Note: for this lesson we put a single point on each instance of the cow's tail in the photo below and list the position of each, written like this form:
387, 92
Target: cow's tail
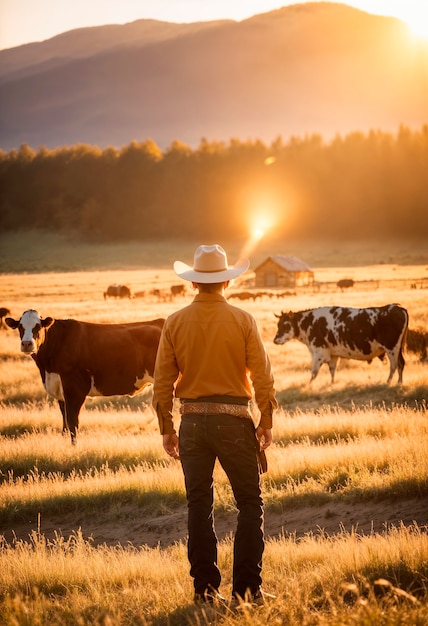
401, 360
402, 339
406, 327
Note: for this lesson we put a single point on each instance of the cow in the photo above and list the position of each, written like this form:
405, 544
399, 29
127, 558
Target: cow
417, 342
331, 332
345, 283
178, 290
117, 291
79, 359
3, 312
242, 295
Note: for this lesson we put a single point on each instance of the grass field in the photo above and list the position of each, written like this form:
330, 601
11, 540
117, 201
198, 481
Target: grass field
96, 534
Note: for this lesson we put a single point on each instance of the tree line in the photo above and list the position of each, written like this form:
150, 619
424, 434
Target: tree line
358, 185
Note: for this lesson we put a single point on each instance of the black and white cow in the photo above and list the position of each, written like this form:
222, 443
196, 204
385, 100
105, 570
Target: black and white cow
333, 332
79, 359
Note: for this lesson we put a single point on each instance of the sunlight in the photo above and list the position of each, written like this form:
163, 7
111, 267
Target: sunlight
258, 232
417, 20
414, 13
260, 225
418, 28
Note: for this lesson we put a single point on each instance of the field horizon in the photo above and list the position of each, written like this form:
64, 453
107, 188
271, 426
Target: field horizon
40, 251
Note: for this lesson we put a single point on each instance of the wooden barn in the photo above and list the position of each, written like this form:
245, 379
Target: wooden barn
283, 271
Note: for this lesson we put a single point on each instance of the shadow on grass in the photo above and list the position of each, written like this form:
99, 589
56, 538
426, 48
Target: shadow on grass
354, 397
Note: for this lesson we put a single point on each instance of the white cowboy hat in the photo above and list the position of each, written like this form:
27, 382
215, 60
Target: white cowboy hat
210, 266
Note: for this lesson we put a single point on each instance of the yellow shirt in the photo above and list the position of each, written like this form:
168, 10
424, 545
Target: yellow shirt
211, 348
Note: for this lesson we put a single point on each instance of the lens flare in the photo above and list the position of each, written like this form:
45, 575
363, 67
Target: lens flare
258, 230
270, 160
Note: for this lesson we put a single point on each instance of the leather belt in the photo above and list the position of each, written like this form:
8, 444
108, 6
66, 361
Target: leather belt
214, 408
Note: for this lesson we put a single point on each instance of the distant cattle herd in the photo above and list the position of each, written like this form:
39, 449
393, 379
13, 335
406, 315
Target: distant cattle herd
174, 291
162, 295
258, 295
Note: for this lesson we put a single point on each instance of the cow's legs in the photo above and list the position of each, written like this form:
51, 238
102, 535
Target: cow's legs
61, 405
332, 364
75, 392
73, 406
397, 362
316, 364
400, 366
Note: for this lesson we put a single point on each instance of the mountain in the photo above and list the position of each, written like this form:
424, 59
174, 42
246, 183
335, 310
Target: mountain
316, 67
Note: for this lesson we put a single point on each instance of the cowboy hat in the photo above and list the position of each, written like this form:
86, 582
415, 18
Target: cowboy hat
210, 266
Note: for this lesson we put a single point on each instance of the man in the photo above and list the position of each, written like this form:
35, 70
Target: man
208, 353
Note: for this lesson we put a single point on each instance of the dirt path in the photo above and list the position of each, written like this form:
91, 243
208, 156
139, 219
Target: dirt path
131, 526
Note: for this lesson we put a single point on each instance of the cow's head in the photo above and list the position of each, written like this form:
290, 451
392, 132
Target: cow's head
30, 326
286, 329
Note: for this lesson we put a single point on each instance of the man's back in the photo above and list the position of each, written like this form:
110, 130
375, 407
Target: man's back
210, 347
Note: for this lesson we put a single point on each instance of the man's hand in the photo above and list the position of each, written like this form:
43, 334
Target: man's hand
170, 444
264, 435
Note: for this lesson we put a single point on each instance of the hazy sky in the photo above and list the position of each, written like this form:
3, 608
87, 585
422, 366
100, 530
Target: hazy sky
25, 21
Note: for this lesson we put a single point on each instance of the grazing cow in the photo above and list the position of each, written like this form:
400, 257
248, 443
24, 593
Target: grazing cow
241, 295
117, 291
362, 334
178, 290
3, 312
417, 342
78, 359
161, 295
345, 283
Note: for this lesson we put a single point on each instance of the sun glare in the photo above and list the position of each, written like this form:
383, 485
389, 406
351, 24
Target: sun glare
417, 21
260, 226
257, 231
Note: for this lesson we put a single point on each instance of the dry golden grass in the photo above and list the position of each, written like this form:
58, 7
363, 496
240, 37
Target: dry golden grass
357, 440
332, 457
316, 582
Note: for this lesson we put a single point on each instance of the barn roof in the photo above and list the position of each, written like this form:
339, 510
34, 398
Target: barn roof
288, 263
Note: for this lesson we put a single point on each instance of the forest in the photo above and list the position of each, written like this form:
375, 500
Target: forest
355, 186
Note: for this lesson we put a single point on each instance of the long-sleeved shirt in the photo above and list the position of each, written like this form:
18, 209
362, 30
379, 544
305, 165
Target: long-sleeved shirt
211, 348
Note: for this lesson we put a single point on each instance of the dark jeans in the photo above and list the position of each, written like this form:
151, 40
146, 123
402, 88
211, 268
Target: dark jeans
202, 439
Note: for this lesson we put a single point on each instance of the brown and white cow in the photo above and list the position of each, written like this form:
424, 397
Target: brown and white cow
333, 332
79, 359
